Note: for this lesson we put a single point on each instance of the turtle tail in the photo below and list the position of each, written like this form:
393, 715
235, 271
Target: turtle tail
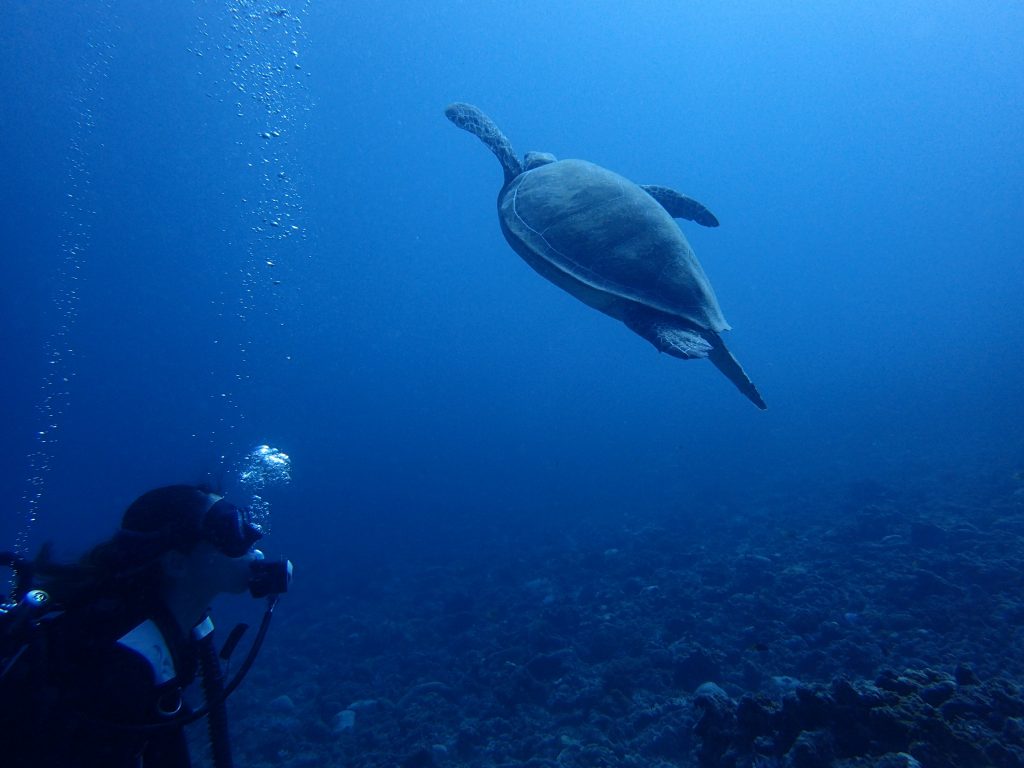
470, 118
729, 365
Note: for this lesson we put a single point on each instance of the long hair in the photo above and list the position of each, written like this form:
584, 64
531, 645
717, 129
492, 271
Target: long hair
127, 565
110, 568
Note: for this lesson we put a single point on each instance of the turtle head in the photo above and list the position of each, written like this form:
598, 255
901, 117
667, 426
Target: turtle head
537, 159
471, 119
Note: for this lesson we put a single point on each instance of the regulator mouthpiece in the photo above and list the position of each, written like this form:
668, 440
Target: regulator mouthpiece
269, 578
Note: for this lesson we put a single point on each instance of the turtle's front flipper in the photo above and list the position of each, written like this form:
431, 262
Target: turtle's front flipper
727, 364
469, 118
680, 206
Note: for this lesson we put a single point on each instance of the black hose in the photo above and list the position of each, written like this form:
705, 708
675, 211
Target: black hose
213, 689
218, 700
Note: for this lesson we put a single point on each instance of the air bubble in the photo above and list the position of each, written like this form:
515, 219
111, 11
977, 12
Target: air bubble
74, 239
264, 466
259, 41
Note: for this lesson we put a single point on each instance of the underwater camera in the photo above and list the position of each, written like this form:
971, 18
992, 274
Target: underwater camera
269, 577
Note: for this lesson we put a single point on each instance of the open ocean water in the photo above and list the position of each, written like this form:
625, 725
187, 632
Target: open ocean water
523, 537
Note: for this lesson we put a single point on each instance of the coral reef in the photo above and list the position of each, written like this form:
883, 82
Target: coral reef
875, 629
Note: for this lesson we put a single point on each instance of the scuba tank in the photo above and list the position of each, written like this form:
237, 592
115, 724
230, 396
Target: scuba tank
23, 616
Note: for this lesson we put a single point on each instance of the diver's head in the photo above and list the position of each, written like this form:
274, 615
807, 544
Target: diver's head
179, 538
180, 517
201, 542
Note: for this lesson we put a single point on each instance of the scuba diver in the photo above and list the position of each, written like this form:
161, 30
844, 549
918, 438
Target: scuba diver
95, 656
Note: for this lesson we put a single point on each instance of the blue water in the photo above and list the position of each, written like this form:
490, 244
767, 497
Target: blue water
865, 162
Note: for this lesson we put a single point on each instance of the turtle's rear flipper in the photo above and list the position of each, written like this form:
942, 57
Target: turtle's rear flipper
727, 364
673, 338
470, 118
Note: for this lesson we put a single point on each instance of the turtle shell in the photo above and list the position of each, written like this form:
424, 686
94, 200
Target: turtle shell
606, 232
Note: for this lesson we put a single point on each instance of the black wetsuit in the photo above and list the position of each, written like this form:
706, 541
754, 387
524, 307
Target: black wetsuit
88, 676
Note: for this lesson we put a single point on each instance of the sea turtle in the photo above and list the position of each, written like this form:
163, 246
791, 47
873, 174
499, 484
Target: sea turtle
612, 244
